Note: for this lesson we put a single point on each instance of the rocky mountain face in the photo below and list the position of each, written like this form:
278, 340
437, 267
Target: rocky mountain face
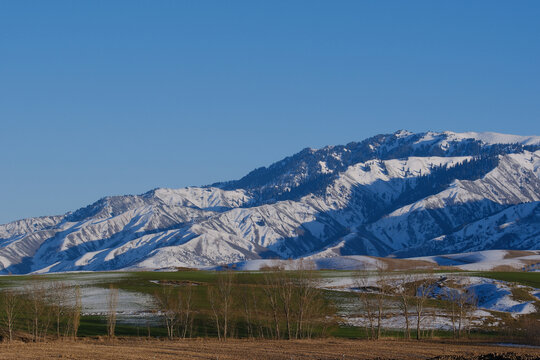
401, 194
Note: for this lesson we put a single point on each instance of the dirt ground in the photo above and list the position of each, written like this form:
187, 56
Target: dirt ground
260, 349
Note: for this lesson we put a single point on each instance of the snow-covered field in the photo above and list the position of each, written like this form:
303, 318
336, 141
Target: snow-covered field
131, 305
485, 260
494, 298
429, 321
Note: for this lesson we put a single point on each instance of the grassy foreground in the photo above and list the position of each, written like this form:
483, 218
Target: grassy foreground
250, 313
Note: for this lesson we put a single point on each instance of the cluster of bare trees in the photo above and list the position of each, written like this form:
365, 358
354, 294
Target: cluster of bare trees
373, 292
41, 311
293, 306
278, 304
176, 308
461, 302
381, 293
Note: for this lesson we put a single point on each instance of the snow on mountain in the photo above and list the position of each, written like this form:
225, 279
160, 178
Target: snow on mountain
203, 198
434, 218
445, 139
494, 138
403, 193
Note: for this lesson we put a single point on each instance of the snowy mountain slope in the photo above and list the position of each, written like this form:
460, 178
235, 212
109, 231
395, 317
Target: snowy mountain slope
291, 229
515, 180
516, 227
306, 171
401, 193
110, 223
494, 138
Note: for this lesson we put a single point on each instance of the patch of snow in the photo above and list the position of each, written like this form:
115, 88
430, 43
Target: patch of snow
479, 260
324, 168
494, 138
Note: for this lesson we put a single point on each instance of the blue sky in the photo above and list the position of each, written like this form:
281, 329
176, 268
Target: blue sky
114, 97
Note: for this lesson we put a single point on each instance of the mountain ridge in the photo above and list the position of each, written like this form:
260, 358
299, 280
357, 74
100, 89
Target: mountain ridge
391, 194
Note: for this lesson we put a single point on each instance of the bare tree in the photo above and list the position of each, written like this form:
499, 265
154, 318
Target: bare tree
175, 305
308, 293
221, 301
366, 294
169, 307
37, 309
186, 311
261, 315
112, 302
10, 310
76, 311
271, 290
452, 294
384, 289
294, 302
424, 283
405, 292
59, 303
466, 304
472, 305
286, 291
248, 308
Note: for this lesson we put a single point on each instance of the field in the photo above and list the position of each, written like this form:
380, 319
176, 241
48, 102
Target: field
524, 278
325, 349
506, 312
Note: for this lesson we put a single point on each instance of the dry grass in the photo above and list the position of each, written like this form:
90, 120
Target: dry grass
511, 254
405, 264
505, 268
248, 349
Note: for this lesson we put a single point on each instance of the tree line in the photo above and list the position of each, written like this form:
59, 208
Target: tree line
275, 303
40, 311
418, 298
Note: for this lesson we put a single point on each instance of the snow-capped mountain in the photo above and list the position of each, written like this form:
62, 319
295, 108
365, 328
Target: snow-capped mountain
402, 194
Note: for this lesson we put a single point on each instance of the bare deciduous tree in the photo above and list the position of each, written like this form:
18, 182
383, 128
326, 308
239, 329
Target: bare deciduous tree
175, 305
466, 304
405, 292
271, 290
424, 285
186, 311
368, 301
59, 303
307, 295
286, 296
112, 302
384, 289
10, 309
76, 311
221, 301
461, 302
169, 307
37, 310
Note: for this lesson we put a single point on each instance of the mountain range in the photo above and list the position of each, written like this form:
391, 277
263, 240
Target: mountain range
402, 194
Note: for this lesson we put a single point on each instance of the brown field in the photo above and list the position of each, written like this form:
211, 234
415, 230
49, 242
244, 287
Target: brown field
263, 349
406, 264
511, 254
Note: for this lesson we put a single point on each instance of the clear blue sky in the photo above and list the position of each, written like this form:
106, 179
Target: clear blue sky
114, 97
